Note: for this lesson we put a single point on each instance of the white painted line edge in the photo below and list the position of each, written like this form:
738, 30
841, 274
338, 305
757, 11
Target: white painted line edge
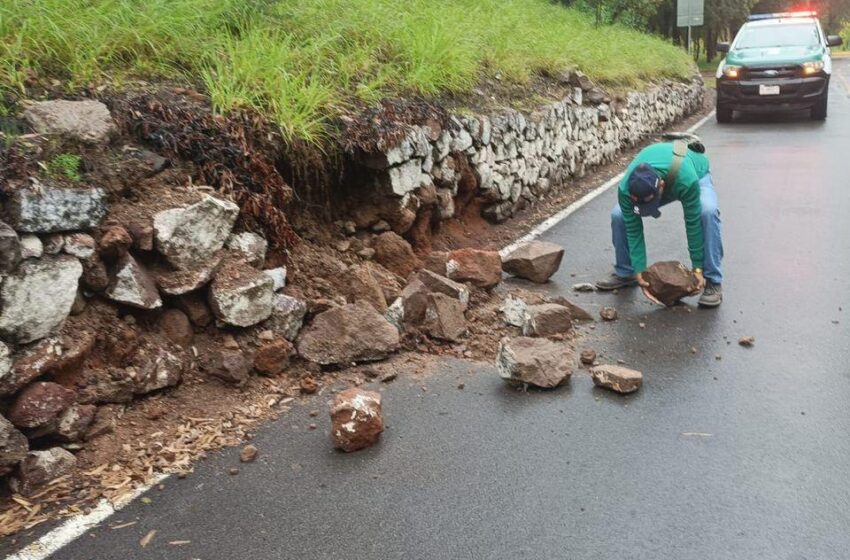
555, 219
76, 526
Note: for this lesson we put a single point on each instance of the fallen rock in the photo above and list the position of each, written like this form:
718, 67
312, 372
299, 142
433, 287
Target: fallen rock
189, 236
176, 282
287, 316
249, 454
132, 285
308, 385
440, 284
576, 312
10, 248
273, 357
480, 268
343, 335
361, 285
85, 121
536, 261
444, 318
47, 208
75, 421
194, 305
391, 283
250, 247
95, 274
584, 287
588, 357
13, 446
156, 371
278, 276
37, 297
356, 419
40, 404
80, 245
105, 421
546, 319
617, 378
227, 364
30, 364
395, 314
31, 247
514, 310
5, 364
436, 262
534, 361
395, 254
241, 296
40, 467
608, 314
176, 327
670, 281
115, 243
111, 385
143, 236
53, 243
747, 341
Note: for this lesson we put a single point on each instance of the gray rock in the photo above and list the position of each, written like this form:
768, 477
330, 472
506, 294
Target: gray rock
444, 318
287, 316
132, 285
395, 314
348, 334
534, 361
404, 178
31, 247
80, 245
85, 121
250, 247
40, 467
241, 296
37, 297
13, 446
278, 276
536, 261
10, 249
189, 236
47, 208
617, 378
53, 243
546, 319
156, 371
182, 281
75, 422
5, 361
515, 311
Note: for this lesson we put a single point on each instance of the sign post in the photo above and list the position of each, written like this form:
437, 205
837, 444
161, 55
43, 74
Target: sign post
690, 13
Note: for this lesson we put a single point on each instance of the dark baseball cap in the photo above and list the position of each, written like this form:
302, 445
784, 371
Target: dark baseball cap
644, 190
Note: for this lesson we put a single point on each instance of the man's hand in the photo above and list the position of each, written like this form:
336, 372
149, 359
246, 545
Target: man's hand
700, 282
644, 287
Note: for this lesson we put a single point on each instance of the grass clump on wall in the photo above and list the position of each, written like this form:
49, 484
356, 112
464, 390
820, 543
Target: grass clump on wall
301, 62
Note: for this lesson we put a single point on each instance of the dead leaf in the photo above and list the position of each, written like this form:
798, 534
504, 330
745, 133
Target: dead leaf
146, 540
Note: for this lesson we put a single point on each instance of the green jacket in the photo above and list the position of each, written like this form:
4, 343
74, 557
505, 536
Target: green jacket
686, 190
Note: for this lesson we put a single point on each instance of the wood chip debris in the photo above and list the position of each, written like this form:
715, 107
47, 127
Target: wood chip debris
146, 540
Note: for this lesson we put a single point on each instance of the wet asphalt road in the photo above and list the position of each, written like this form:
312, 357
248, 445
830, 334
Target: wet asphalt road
738, 458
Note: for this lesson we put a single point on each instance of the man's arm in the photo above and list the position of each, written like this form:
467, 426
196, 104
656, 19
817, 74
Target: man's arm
634, 233
693, 223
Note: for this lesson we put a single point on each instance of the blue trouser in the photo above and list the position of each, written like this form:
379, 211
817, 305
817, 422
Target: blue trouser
711, 232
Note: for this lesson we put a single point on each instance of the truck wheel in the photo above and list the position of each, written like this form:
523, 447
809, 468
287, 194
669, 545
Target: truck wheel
724, 114
820, 108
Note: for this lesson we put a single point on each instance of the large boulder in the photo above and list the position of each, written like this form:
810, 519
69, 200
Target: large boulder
356, 419
43, 208
670, 281
132, 285
241, 296
343, 335
536, 261
37, 297
534, 361
13, 446
617, 378
40, 404
189, 236
444, 318
40, 467
480, 268
395, 254
10, 249
85, 121
546, 319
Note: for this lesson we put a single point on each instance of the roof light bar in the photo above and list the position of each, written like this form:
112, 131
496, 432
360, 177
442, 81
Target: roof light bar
781, 15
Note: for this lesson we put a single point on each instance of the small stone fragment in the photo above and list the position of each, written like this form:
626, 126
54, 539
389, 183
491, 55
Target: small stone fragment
248, 454
227, 364
115, 243
747, 341
10, 248
395, 254
31, 247
588, 357
80, 245
273, 358
608, 314
389, 376
287, 316
308, 385
191, 235
356, 419
584, 287
196, 309
278, 276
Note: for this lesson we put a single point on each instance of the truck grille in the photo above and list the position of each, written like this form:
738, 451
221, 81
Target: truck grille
771, 73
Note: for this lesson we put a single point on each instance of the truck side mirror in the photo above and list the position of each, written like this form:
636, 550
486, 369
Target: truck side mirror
723, 47
833, 40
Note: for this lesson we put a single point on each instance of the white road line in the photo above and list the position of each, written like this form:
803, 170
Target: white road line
74, 527
554, 220
77, 526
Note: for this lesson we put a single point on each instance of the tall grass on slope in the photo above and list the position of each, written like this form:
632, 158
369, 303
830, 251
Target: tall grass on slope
302, 61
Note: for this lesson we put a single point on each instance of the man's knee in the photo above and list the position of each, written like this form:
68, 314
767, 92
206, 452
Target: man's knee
616, 215
709, 210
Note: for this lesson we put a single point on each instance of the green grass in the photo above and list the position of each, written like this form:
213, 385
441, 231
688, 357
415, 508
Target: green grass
301, 62
64, 165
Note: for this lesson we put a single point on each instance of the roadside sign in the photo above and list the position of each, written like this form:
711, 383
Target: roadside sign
690, 13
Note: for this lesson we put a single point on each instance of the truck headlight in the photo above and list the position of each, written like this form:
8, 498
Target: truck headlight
814, 67
731, 71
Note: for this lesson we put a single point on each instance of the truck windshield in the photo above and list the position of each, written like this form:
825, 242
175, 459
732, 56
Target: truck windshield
779, 35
